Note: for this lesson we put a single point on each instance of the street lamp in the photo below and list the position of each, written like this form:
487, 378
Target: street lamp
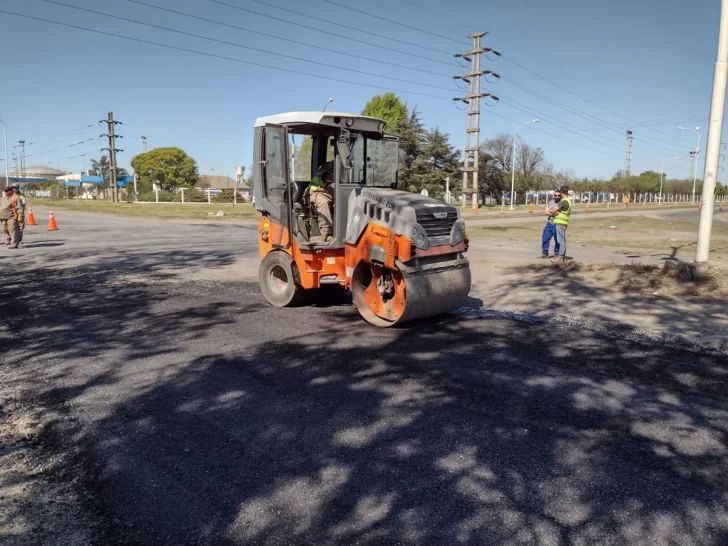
327, 104
513, 159
697, 152
5, 140
663, 175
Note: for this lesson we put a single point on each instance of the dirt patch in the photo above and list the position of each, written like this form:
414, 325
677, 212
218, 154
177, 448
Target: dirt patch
39, 487
673, 280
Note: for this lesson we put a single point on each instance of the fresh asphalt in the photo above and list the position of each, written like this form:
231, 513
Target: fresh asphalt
200, 415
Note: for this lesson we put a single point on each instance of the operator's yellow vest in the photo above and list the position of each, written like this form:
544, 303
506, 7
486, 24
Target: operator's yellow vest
563, 215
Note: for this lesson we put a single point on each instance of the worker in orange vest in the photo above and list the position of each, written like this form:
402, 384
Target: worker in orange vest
11, 216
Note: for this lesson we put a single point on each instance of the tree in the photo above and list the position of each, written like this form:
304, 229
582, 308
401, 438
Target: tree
168, 167
388, 107
500, 150
411, 132
437, 160
491, 177
528, 160
102, 168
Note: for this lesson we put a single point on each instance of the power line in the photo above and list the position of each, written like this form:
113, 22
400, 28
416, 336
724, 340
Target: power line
288, 40
419, 46
222, 57
584, 98
530, 111
393, 22
58, 136
588, 117
524, 68
329, 33
201, 37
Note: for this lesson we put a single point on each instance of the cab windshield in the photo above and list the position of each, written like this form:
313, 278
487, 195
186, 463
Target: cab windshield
373, 162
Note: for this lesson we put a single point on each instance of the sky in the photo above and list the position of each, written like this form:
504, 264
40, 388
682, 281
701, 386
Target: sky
588, 69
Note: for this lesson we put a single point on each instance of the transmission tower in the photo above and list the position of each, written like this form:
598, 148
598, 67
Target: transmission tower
112, 149
628, 168
21, 145
471, 156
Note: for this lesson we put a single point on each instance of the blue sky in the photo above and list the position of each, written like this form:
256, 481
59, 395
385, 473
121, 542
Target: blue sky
643, 65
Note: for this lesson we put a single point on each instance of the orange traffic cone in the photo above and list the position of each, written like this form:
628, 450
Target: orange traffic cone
644, 204
587, 206
52, 222
30, 220
720, 208
530, 209
700, 205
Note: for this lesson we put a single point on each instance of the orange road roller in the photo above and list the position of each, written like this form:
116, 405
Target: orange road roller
402, 255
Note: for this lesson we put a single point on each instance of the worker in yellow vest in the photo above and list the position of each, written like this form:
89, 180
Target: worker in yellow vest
562, 213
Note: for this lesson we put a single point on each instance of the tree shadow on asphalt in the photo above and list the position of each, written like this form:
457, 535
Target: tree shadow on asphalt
212, 419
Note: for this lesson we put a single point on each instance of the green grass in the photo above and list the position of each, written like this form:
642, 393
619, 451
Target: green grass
631, 233
170, 211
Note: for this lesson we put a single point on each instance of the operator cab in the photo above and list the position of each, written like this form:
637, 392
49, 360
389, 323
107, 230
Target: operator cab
289, 150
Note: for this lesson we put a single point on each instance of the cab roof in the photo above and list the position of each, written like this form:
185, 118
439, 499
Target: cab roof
320, 118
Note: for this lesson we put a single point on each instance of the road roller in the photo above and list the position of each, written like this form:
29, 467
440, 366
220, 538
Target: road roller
401, 255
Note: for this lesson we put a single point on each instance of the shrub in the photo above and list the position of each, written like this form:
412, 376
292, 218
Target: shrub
192, 195
164, 197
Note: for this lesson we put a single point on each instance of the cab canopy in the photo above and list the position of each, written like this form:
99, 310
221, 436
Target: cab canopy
307, 122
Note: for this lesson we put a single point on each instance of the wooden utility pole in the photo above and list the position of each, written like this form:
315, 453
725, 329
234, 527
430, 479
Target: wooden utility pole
112, 149
471, 157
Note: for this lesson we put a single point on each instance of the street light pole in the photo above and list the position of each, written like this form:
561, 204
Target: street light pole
5, 140
663, 175
715, 132
695, 159
513, 160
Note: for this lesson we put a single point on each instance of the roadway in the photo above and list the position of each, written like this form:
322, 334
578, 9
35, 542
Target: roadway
198, 415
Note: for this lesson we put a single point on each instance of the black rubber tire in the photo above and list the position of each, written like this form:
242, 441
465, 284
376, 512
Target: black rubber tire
279, 280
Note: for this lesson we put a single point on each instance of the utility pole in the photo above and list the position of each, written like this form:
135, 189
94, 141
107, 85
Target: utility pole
144, 144
112, 149
715, 131
628, 168
472, 99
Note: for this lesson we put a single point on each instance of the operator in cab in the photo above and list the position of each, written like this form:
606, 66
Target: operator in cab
322, 197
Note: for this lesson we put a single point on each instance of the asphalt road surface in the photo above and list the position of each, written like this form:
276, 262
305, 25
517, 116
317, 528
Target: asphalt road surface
199, 415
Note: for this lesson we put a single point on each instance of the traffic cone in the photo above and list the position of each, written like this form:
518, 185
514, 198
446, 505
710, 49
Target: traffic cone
720, 208
530, 210
52, 222
700, 205
30, 220
587, 206
644, 204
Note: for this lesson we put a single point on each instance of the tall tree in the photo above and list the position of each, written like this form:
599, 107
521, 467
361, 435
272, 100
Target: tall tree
437, 160
500, 150
168, 167
388, 107
411, 132
528, 161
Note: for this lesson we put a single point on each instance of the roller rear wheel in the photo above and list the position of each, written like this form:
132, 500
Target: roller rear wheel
278, 280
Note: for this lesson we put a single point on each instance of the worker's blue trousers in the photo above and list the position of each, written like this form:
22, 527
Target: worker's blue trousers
549, 232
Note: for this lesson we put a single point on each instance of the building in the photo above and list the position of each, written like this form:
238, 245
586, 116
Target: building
36, 175
223, 183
